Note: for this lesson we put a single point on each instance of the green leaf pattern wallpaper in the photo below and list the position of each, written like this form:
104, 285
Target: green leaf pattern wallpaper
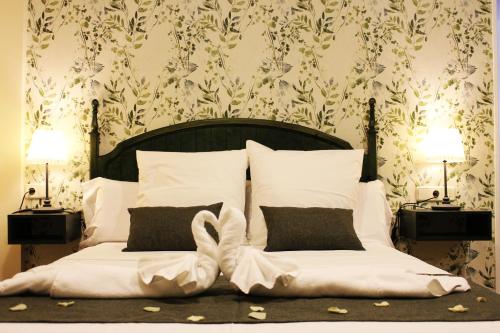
313, 62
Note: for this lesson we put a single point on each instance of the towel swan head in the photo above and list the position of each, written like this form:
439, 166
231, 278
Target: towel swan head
205, 243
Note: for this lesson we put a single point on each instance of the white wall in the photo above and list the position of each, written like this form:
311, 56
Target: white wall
11, 39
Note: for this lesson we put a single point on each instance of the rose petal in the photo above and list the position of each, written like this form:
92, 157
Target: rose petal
19, 307
66, 304
256, 308
458, 308
152, 309
334, 309
257, 315
195, 318
382, 304
481, 299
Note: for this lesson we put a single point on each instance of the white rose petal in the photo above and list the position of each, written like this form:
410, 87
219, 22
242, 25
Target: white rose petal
257, 315
256, 308
152, 309
382, 304
458, 308
334, 309
19, 307
66, 304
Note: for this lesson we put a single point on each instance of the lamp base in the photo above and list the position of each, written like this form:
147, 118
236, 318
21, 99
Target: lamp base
446, 206
48, 210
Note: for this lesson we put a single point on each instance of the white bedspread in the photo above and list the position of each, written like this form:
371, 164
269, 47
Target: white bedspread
104, 271
380, 271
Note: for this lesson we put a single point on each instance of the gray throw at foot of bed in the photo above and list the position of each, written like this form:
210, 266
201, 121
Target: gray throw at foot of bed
221, 304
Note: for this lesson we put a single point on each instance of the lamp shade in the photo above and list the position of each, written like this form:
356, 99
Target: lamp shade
443, 144
47, 146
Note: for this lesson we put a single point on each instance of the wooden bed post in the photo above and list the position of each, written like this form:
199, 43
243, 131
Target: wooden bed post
94, 140
372, 142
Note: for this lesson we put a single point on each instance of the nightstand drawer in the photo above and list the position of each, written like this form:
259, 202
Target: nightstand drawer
423, 224
29, 228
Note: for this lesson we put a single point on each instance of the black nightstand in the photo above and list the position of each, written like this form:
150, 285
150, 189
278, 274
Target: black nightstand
433, 225
33, 228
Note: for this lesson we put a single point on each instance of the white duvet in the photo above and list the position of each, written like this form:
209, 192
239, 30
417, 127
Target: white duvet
380, 271
104, 271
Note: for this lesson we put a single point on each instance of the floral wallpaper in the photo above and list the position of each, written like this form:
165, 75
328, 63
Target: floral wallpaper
313, 62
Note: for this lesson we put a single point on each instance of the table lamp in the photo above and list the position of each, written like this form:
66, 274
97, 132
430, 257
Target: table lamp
47, 146
444, 145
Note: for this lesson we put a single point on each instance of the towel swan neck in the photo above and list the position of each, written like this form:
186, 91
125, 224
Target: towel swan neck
232, 236
205, 243
247, 266
193, 272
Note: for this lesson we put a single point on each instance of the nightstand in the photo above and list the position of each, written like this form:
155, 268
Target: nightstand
434, 225
53, 228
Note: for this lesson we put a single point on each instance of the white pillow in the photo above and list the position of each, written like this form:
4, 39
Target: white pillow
105, 209
373, 215
192, 179
320, 178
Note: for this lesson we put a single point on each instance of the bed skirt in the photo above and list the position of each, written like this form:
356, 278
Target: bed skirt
222, 304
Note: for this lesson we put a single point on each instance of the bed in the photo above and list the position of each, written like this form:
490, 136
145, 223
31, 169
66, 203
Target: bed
221, 135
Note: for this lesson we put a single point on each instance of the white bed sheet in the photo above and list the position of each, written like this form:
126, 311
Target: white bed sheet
106, 253
375, 254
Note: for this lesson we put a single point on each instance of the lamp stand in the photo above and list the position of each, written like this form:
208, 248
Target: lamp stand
446, 203
47, 206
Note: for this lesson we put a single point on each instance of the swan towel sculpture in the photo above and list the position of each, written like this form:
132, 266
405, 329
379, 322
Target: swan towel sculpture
379, 271
161, 274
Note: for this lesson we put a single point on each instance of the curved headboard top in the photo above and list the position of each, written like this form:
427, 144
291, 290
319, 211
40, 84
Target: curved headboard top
217, 135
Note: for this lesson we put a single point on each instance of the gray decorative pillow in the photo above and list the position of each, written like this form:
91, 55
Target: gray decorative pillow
292, 228
165, 228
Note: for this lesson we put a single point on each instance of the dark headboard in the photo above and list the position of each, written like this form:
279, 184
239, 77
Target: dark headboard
220, 134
